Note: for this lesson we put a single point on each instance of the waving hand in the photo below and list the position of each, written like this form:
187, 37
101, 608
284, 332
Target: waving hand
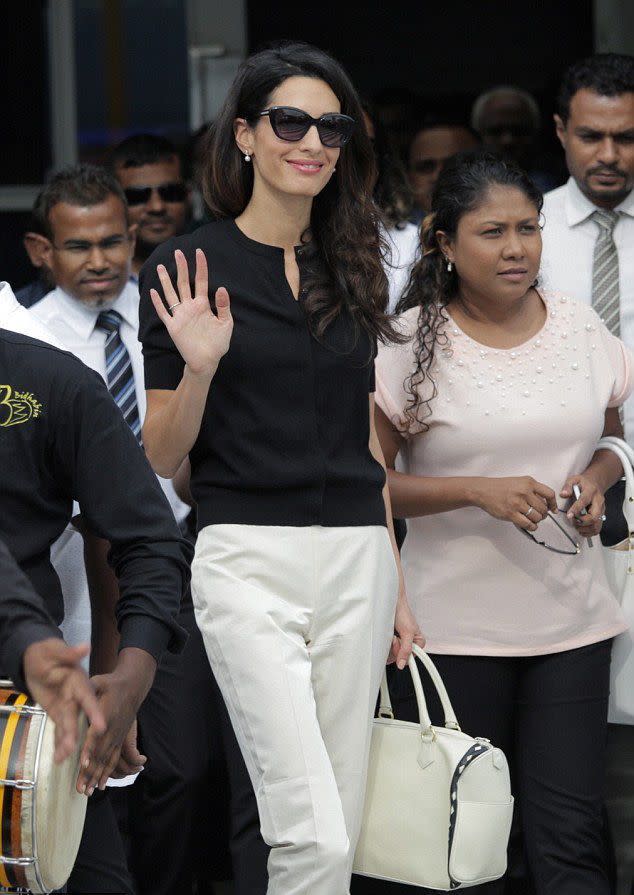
201, 336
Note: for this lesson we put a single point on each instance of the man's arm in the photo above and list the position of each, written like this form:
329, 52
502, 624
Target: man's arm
103, 588
122, 502
39, 661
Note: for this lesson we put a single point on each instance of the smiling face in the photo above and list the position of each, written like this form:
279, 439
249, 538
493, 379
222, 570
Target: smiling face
497, 247
598, 140
302, 168
91, 250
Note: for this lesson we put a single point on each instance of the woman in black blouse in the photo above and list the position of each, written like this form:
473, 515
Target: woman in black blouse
296, 581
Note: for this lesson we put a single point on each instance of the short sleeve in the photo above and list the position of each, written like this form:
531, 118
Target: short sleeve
394, 365
622, 362
163, 364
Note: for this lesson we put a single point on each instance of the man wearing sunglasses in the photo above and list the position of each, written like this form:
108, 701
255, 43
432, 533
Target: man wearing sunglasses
150, 172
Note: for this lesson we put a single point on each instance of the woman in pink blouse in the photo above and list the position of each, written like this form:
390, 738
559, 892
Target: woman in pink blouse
494, 406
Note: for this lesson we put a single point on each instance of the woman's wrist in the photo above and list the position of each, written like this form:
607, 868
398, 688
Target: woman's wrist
474, 489
200, 377
602, 479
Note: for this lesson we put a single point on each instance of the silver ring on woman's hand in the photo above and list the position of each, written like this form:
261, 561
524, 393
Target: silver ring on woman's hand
529, 511
171, 307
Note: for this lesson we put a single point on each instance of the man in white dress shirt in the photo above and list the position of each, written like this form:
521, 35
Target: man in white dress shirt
588, 254
93, 312
595, 124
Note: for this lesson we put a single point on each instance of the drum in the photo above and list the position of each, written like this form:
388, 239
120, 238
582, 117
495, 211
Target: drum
41, 812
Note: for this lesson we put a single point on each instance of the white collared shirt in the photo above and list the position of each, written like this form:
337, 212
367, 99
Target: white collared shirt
569, 237
403, 251
20, 320
75, 325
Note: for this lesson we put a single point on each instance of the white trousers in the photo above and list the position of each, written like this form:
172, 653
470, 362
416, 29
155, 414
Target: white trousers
297, 623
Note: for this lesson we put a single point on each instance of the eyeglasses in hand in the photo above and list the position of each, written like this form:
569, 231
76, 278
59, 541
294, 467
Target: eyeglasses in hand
575, 544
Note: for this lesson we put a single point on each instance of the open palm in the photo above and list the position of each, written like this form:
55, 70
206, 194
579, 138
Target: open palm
201, 336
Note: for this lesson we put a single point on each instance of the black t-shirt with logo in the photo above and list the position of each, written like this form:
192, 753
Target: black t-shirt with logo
23, 617
285, 431
62, 438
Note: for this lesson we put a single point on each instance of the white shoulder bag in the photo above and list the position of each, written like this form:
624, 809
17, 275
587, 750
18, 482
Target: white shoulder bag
619, 565
438, 805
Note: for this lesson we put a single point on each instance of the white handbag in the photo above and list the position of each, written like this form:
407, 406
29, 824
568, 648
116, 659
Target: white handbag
619, 565
438, 804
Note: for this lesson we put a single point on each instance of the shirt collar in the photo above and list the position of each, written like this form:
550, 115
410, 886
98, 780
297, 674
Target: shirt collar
579, 207
83, 319
8, 301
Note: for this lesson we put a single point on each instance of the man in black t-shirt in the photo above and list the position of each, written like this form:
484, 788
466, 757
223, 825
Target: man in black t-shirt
62, 438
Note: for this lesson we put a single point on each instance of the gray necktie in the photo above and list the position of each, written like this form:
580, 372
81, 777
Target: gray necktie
605, 271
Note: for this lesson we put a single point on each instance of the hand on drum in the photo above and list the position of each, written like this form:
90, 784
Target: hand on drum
201, 336
130, 759
56, 680
120, 695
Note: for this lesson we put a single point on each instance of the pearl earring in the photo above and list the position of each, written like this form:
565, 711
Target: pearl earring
449, 266
247, 158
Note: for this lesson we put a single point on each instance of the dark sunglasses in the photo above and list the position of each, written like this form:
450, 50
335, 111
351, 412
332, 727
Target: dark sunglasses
169, 192
291, 124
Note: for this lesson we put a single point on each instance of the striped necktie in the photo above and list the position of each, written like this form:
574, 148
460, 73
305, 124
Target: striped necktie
119, 371
605, 271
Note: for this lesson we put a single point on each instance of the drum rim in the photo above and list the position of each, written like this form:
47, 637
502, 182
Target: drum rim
31, 863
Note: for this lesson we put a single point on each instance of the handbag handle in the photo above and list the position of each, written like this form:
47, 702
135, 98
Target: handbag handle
626, 455
385, 704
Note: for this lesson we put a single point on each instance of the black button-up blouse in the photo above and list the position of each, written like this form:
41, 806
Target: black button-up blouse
284, 435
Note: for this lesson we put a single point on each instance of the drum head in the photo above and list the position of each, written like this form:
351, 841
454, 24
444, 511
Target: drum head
60, 810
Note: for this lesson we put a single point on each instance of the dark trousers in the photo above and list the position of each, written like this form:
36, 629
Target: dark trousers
101, 864
549, 715
177, 819
192, 814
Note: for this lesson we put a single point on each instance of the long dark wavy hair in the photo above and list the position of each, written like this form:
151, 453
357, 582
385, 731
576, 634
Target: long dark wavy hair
343, 257
461, 187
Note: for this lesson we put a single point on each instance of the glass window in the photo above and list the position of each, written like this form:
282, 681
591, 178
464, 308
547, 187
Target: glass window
131, 64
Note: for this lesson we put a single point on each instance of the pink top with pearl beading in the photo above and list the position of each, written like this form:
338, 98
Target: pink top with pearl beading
476, 584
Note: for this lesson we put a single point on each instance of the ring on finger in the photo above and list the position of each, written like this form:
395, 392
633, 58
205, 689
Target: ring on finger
529, 511
171, 307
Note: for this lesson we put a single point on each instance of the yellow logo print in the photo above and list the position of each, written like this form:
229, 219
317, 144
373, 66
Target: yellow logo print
17, 407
